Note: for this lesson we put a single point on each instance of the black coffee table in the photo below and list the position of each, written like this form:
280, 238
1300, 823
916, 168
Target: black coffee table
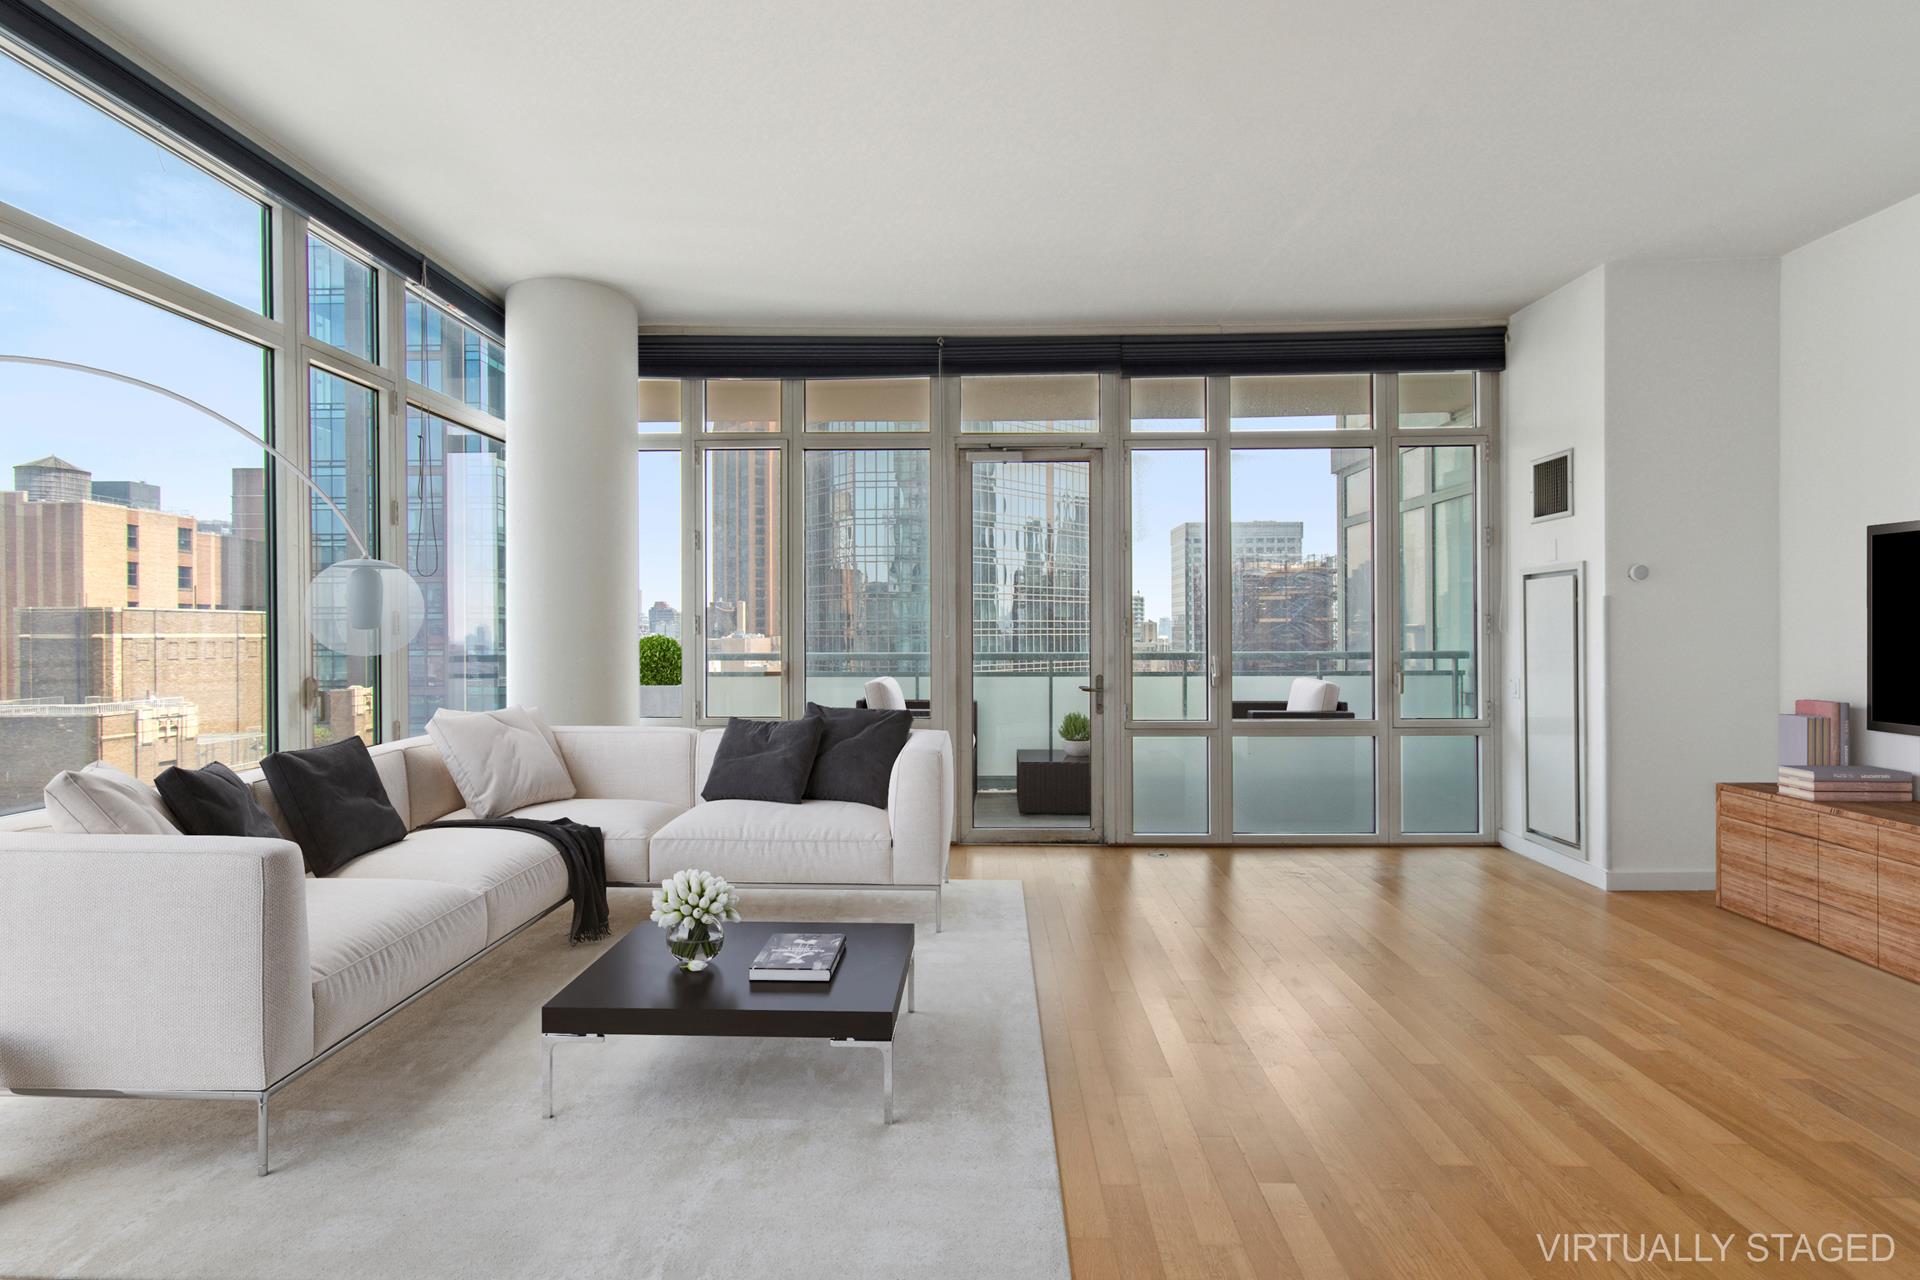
637, 989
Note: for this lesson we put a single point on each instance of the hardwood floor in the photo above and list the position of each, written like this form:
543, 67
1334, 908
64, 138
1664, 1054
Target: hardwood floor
1372, 1063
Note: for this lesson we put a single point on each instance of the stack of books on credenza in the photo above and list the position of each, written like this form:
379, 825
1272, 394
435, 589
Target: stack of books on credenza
1845, 783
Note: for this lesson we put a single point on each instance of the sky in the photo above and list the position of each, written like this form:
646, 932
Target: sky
659, 481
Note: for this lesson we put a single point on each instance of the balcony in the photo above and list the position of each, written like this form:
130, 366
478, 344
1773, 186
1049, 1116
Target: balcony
1019, 707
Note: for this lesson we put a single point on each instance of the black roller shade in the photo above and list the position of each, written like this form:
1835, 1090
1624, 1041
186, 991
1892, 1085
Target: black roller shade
79, 53
676, 355
1151, 355
1043, 354
1352, 351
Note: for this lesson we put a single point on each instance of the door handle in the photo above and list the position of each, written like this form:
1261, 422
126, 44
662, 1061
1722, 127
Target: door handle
1098, 690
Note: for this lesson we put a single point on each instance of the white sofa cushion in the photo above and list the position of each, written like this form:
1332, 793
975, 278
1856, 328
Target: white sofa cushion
431, 792
518, 874
748, 841
101, 800
623, 762
628, 826
373, 943
703, 752
500, 759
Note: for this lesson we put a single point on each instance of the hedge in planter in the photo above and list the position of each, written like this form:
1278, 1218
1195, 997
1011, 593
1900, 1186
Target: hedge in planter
660, 678
659, 660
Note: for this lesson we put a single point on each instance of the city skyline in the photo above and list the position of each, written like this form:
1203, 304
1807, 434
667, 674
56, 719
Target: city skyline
856, 564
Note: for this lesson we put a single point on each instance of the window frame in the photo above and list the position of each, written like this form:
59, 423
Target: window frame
1118, 439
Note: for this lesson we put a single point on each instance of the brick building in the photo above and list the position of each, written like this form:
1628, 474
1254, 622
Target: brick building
127, 634
64, 552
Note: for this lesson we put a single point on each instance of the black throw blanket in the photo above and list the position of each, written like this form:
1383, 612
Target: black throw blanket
583, 849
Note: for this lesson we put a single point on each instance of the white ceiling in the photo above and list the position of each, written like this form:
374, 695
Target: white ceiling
1125, 163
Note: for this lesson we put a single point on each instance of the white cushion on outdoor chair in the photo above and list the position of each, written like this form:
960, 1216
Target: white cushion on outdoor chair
1309, 694
885, 694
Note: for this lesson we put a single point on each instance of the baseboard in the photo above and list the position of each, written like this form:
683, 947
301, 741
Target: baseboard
1660, 881
1585, 872
1674, 881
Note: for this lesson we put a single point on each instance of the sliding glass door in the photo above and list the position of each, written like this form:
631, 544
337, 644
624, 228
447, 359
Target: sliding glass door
1033, 695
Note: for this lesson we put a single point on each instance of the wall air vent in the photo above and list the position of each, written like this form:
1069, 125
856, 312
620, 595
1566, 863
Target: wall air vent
1553, 486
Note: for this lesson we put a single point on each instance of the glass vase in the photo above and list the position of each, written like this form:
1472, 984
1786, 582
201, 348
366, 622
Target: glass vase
694, 944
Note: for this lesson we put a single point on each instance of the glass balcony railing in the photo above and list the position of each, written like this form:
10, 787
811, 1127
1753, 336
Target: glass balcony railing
1020, 708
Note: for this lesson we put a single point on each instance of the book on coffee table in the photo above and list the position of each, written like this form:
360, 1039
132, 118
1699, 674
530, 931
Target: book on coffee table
798, 957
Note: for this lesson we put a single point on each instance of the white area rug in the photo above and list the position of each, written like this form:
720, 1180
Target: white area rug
422, 1151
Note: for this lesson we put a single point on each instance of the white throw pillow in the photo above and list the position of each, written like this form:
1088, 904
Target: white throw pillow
101, 800
884, 694
501, 760
1309, 694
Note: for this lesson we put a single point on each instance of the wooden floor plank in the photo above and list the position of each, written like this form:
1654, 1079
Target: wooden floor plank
1358, 1063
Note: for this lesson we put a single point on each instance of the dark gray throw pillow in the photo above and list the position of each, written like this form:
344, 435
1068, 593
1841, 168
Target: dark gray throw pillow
334, 803
213, 801
857, 751
764, 760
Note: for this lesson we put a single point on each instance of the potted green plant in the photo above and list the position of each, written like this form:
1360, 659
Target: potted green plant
1077, 732
660, 677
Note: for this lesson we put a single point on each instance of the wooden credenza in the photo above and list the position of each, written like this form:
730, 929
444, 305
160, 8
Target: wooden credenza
1846, 876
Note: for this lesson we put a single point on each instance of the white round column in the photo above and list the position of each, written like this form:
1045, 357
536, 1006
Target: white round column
572, 504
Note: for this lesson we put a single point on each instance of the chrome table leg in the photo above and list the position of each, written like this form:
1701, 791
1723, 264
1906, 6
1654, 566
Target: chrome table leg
909, 984
886, 1068
261, 1141
549, 1039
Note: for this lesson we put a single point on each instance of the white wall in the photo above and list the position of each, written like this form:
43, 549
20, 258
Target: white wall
1553, 397
1849, 451
1692, 485
1663, 378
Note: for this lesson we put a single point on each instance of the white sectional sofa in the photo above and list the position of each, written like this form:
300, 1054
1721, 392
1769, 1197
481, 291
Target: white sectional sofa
206, 967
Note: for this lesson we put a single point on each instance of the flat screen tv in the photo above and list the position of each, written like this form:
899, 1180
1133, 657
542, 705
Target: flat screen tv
1893, 627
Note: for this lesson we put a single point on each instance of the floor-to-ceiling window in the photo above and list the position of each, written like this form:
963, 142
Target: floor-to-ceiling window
1441, 513
663, 626
743, 610
454, 526
155, 565
867, 538
343, 439
456, 539
812, 528
835, 521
